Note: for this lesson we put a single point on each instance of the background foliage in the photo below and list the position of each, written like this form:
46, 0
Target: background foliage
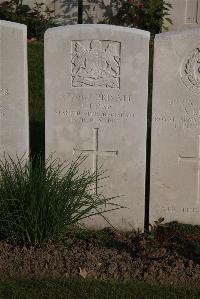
150, 15
38, 19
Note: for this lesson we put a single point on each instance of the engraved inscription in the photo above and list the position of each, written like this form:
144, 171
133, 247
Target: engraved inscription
180, 113
190, 71
96, 153
184, 210
195, 160
3, 91
97, 108
95, 63
3, 108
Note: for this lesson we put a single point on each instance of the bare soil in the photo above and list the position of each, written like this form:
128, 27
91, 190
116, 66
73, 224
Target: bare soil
169, 255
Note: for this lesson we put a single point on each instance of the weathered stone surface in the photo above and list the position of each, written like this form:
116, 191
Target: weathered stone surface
175, 164
14, 129
96, 101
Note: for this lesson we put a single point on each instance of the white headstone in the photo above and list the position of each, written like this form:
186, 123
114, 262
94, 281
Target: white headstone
96, 101
14, 125
175, 164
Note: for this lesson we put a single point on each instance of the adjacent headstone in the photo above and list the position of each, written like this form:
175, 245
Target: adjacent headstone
14, 128
184, 14
96, 101
175, 163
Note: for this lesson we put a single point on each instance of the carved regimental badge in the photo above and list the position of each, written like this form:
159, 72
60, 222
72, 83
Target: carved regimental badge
95, 63
190, 71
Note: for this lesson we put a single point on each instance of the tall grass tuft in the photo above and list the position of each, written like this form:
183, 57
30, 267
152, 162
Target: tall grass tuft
39, 202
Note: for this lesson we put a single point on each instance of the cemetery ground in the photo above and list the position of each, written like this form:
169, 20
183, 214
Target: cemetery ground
164, 263
105, 264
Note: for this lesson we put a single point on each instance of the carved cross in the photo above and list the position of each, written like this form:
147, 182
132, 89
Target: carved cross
197, 161
95, 154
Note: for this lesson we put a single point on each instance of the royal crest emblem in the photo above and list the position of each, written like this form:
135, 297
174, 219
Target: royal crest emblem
96, 63
190, 71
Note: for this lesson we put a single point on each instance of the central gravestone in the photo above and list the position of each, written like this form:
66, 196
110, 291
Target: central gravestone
96, 101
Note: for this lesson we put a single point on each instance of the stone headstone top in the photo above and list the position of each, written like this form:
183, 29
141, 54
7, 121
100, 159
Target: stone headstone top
92, 27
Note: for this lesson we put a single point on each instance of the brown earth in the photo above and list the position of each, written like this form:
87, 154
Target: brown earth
168, 256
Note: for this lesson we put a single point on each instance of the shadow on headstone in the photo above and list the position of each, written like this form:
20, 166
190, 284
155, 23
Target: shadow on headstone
66, 11
95, 11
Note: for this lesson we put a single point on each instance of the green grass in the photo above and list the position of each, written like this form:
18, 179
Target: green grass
39, 202
75, 288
